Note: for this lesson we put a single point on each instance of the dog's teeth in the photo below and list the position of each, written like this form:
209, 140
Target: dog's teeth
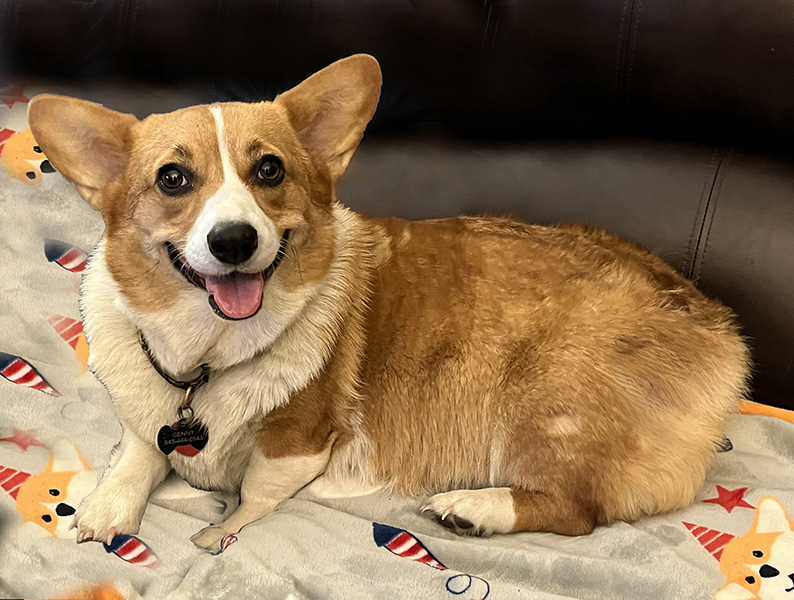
73, 525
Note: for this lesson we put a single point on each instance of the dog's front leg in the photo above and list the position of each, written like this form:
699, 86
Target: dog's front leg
266, 483
116, 506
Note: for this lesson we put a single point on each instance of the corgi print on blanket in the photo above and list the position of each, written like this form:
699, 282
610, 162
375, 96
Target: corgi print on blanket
759, 565
50, 498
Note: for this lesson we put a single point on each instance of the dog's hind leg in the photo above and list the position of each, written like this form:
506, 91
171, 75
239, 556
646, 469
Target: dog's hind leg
505, 510
266, 483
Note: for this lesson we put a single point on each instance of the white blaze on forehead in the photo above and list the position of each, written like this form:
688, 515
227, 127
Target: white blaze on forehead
232, 201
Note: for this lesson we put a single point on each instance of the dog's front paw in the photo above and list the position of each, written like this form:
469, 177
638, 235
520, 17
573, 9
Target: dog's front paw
106, 513
210, 538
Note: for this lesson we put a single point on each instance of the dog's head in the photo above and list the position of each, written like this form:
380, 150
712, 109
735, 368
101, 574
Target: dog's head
22, 157
51, 498
759, 565
227, 194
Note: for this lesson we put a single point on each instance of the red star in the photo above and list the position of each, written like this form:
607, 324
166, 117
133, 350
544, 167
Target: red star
12, 94
23, 438
730, 499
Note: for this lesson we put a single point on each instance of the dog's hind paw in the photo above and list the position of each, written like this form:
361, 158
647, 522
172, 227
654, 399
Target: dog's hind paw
473, 512
210, 538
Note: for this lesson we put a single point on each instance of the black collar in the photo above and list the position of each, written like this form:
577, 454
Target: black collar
191, 385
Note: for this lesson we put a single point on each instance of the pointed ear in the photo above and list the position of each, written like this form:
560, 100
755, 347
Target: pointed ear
86, 143
771, 517
66, 457
331, 109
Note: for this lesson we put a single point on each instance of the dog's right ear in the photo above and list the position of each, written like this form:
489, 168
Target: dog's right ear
85, 142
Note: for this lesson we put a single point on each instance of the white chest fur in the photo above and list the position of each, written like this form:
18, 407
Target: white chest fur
256, 364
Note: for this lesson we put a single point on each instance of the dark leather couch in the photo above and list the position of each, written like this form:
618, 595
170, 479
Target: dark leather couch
668, 122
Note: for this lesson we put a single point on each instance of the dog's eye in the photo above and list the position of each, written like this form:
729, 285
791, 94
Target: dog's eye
46, 518
36, 149
172, 179
55, 492
270, 171
757, 553
750, 579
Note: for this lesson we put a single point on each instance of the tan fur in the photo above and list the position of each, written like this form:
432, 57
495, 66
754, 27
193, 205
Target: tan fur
576, 369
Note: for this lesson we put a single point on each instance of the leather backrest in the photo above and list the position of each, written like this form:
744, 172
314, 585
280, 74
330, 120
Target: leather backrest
693, 67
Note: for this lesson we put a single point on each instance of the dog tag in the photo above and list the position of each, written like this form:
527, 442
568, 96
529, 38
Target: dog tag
188, 439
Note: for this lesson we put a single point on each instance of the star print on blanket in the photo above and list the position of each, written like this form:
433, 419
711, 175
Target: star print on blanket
23, 438
11, 94
730, 499
406, 545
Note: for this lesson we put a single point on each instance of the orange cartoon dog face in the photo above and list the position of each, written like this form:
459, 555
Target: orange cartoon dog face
51, 498
21, 157
760, 564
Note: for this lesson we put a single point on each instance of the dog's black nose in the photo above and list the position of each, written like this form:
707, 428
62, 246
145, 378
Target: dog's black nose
46, 167
64, 510
232, 243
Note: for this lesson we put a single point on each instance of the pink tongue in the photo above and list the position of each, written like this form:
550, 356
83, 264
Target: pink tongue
238, 295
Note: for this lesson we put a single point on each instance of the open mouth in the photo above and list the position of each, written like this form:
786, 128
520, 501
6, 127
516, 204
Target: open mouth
235, 296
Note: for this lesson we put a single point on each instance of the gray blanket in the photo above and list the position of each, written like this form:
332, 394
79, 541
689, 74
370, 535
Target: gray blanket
57, 427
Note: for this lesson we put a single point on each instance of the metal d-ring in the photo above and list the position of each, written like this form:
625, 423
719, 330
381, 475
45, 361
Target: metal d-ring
185, 411
185, 414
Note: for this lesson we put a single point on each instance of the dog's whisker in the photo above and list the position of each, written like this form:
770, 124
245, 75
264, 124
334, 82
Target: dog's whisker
331, 212
298, 262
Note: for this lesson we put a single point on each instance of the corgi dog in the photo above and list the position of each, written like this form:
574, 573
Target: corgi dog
759, 565
520, 378
50, 499
21, 157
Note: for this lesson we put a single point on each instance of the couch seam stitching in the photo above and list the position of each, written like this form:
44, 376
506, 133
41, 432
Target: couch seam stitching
618, 54
713, 207
691, 250
633, 49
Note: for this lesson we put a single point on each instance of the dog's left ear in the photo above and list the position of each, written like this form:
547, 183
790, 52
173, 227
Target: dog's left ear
85, 142
331, 109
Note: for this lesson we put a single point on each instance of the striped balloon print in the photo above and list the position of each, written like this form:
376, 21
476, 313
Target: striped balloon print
69, 257
11, 480
712, 540
132, 550
402, 543
4, 135
226, 542
17, 370
69, 329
